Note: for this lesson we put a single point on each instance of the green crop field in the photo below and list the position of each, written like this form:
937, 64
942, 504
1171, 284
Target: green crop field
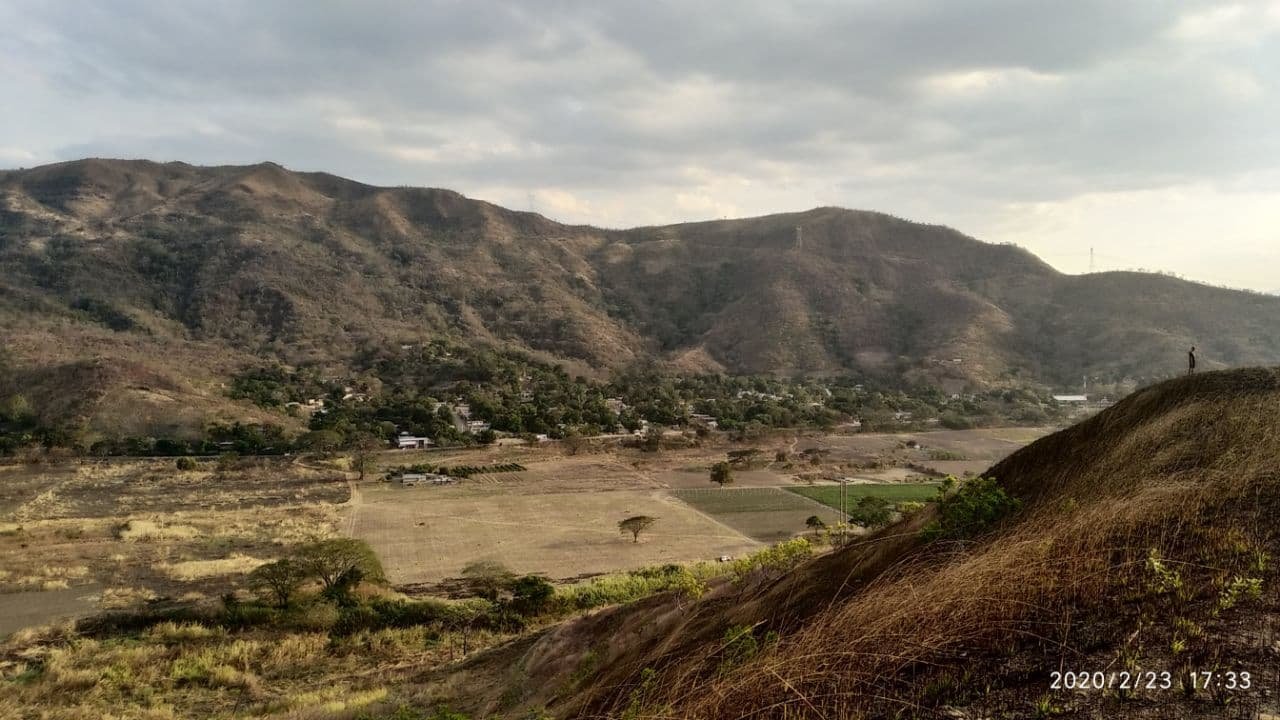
717, 501
829, 495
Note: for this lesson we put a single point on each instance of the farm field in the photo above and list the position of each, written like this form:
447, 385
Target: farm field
829, 495
559, 515
427, 535
764, 514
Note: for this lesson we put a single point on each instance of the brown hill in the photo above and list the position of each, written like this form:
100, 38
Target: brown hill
262, 261
1143, 540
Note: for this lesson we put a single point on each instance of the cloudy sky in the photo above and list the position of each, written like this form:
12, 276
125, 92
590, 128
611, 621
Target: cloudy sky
1148, 130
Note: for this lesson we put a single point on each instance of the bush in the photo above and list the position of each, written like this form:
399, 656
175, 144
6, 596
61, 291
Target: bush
976, 506
186, 463
530, 594
773, 561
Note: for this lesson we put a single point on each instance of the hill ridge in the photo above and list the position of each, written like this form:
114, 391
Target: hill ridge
250, 257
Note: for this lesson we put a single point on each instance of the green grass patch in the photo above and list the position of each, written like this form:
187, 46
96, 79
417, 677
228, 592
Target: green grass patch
829, 495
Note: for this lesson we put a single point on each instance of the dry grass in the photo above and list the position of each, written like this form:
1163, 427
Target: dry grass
1187, 470
190, 570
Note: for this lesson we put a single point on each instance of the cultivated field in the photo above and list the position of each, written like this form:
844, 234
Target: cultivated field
829, 495
559, 516
428, 534
763, 514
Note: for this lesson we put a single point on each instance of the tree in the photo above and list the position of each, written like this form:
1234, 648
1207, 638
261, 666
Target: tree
636, 525
487, 578
529, 594
340, 563
321, 441
815, 524
722, 474
871, 512
362, 453
278, 580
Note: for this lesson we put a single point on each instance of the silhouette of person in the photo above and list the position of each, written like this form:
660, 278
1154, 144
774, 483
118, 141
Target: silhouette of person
1191, 360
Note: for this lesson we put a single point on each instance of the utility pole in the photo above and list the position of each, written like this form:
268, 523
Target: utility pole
799, 238
1091, 265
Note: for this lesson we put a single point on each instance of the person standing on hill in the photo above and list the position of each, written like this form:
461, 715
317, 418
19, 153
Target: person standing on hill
1191, 361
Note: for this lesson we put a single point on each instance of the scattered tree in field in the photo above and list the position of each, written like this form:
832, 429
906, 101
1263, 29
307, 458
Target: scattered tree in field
722, 474
362, 452
277, 580
340, 564
815, 524
636, 525
487, 578
530, 594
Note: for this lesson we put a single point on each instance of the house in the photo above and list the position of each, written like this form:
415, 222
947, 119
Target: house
541, 437
476, 426
405, 441
615, 405
412, 478
704, 419
1071, 399
441, 479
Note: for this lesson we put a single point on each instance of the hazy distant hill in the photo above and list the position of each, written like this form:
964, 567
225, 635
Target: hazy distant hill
188, 271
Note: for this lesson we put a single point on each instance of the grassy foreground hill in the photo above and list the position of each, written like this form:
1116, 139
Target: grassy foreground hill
182, 273
1140, 540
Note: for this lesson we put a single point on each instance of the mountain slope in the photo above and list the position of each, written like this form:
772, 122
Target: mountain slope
1144, 539
266, 262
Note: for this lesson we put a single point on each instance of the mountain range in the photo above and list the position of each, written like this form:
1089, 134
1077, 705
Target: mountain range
158, 280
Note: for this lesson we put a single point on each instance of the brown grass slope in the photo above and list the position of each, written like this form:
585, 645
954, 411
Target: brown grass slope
302, 266
1187, 472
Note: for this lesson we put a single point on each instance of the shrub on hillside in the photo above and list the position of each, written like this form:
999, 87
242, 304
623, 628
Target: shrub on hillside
974, 507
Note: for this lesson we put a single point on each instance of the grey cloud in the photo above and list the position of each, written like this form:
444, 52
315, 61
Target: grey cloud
847, 98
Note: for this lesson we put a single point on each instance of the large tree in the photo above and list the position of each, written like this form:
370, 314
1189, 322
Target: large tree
278, 580
339, 563
636, 525
363, 448
487, 578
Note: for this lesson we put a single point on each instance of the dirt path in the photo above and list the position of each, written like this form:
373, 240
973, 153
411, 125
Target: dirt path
351, 508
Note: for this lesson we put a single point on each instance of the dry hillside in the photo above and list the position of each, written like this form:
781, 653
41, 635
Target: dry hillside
191, 270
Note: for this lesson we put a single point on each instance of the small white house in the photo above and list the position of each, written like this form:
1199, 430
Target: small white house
477, 426
412, 442
1072, 399
412, 478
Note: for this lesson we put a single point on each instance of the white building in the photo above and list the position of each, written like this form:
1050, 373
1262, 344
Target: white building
412, 442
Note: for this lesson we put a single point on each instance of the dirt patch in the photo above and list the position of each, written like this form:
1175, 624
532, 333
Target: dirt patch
429, 534
30, 609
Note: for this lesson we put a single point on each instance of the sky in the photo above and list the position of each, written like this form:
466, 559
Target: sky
1145, 130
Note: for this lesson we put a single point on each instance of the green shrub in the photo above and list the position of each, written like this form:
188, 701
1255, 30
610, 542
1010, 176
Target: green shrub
977, 505
772, 561
186, 463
